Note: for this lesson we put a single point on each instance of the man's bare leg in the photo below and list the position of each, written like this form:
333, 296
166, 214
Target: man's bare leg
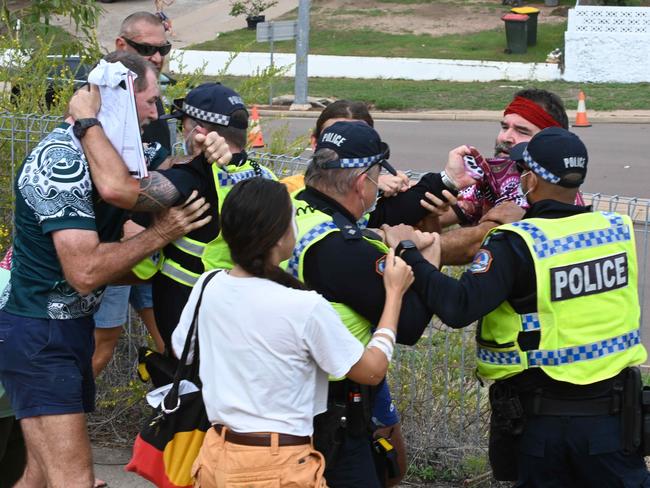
60, 444
33, 476
105, 342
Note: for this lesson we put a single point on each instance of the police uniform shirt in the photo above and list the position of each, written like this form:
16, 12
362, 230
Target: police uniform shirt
503, 269
348, 270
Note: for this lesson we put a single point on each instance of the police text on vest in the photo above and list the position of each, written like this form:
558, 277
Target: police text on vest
589, 277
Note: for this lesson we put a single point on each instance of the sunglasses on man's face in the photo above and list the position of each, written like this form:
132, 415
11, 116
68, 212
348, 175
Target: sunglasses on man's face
148, 49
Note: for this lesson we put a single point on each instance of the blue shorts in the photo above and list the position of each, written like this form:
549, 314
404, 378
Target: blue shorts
384, 413
113, 310
46, 365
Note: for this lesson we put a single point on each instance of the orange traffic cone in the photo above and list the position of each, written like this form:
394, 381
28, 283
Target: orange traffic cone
581, 114
255, 138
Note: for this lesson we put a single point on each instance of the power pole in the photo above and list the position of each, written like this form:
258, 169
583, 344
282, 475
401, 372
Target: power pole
302, 53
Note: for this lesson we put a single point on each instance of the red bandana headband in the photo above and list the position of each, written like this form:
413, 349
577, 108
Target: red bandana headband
532, 112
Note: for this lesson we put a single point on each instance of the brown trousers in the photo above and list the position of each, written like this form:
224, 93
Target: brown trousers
223, 464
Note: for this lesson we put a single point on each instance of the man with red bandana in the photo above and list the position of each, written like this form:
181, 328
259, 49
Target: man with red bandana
530, 111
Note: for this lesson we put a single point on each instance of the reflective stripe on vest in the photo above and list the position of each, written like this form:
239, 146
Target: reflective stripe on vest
214, 254
588, 313
563, 356
194, 248
173, 271
231, 179
545, 247
304, 242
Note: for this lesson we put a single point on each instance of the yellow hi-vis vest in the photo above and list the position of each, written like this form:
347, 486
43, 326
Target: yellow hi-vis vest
314, 225
214, 254
587, 303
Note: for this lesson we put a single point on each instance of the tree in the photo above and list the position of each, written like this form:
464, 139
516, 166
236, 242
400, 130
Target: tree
31, 21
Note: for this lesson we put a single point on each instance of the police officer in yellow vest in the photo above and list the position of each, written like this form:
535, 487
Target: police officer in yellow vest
207, 110
560, 329
337, 257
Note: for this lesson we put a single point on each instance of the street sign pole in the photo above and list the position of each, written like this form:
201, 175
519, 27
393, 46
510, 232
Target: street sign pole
282, 30
302, 52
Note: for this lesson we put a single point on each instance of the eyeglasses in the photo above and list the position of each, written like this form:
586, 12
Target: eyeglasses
148, 49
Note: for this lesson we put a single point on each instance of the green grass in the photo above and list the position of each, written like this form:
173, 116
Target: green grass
486, 45
445, 95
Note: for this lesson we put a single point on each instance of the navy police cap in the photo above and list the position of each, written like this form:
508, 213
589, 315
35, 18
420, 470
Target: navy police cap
209, 102
357, 145
554, 154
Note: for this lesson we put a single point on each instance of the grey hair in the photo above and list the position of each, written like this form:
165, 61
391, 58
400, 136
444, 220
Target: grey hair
135, 63
338, 180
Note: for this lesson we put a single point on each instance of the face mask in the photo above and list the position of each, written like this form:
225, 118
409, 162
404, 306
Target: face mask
373, 205
521, 188
186, 143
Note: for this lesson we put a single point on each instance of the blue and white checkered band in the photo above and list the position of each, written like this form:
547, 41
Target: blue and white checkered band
574, 354
565, 355
304, 242
530, 321
539, 170
204, 115
545, 247
362, 223
231, 179
496, 357
359, 162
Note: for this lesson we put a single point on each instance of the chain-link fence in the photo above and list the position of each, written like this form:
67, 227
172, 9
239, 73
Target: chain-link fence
443, 406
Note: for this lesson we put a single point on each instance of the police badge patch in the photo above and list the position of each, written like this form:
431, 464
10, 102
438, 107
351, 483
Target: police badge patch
482, 261
380, 265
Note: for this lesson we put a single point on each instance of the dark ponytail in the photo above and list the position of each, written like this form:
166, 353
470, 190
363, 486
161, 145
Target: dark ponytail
254, 216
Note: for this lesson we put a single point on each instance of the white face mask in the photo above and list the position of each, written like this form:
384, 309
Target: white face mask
373, 205
521, 188
187, 146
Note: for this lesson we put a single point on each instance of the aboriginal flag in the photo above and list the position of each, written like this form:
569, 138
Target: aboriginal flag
168, 444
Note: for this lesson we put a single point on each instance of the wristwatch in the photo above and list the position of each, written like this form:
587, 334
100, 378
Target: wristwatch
403, 246
82, 125
447, 181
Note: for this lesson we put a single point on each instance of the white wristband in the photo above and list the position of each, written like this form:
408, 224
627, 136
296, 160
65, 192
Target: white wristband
386, 331
383, 344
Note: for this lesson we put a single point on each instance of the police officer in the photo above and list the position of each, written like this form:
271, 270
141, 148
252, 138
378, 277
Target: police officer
341, 260
560, 329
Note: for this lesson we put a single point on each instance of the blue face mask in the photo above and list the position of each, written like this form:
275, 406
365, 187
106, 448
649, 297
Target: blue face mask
521, 188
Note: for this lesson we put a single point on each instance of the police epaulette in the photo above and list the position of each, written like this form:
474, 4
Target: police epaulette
348, 229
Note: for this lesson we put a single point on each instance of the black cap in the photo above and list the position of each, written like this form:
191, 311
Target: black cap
552, 154
357, 145
209, 102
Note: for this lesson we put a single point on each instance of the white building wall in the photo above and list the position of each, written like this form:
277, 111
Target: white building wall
608, 44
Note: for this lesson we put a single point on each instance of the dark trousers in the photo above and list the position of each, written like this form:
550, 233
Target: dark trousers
354, 466
12, 452
577, 452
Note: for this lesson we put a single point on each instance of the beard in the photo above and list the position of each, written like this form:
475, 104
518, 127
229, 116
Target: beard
501, 149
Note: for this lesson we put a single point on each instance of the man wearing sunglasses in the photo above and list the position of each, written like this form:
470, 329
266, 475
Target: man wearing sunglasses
143, 33
556, 294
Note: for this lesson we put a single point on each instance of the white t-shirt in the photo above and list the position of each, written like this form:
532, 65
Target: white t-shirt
266, 351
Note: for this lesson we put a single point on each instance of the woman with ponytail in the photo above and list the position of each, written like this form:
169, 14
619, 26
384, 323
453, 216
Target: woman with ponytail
267, 346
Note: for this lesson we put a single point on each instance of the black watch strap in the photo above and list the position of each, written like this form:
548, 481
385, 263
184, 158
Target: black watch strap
82, 125
403, 246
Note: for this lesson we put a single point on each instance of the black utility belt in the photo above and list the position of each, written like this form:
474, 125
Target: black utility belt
540, 405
